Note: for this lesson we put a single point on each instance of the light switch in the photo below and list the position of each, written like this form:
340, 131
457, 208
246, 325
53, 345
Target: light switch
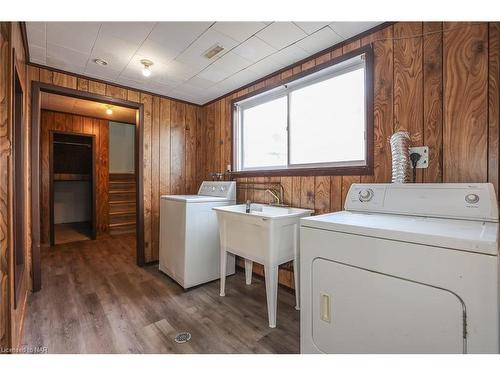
325, 307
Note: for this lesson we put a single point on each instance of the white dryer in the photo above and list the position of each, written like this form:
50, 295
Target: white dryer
189, 234
407, 268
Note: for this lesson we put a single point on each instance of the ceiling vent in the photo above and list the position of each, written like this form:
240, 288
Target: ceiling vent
214, 50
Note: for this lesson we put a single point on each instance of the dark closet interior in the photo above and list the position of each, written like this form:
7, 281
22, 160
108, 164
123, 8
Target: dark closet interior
72, 188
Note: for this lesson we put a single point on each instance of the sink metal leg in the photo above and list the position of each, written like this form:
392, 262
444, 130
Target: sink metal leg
248, 271
223, 264
271, 275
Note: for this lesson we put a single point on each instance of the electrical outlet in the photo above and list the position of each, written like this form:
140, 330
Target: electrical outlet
424, 155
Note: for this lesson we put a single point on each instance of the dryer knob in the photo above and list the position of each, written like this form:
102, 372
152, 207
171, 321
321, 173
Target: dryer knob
472, 198
365, 195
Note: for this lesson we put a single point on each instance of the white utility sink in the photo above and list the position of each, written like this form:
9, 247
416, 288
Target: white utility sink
268, 235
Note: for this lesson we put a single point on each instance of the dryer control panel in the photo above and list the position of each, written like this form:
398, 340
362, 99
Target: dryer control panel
454, 200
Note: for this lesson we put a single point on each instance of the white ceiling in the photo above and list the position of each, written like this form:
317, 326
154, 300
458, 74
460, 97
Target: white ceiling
88, 108
252, 50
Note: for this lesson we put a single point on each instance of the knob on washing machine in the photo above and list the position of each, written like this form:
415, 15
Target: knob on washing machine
365, 195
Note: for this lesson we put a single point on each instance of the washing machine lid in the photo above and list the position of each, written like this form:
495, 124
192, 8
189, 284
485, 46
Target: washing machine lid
194, 198
467, 235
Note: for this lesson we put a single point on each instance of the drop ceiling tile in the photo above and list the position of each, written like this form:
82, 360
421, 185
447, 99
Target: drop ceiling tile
132, 32
265, 66
349, 29
281, 34
185, 96
311, 27
39, 26
239, 79
157, 52
36, 34
318, 41
227, 65
79, 36
115, 51
63, 65
289, 55
194, 55
102, 72
121, 80
239, 31
159, 88
180, 71
37, 54
199, 82
254, 49
177, 36
68, 56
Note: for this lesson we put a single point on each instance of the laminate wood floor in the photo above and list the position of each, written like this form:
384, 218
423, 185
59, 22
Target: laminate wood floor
94, 299
71, 232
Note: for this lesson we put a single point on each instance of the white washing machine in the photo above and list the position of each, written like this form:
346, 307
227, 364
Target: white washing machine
406, 268
189, 234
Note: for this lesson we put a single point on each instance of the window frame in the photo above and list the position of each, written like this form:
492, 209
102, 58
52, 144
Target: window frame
280, 90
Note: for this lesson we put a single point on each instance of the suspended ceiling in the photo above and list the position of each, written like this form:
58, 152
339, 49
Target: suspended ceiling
251, 51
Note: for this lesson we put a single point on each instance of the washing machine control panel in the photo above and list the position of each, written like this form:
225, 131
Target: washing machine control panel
223, 189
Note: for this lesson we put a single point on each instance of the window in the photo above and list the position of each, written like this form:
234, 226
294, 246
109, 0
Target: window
319, 121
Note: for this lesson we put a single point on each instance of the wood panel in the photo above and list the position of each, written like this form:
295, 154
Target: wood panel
433, 100
4, 183
65, 122
190, 150
164, 155
494, 104
408, 83
465, 102
12, 316
155, 178
146, 101
177, 148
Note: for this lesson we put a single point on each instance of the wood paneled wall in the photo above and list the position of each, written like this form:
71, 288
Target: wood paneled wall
11, 318
169, 149
58, 121
439, 81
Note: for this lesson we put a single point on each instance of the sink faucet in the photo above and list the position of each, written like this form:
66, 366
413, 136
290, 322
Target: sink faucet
275, 196
247, 208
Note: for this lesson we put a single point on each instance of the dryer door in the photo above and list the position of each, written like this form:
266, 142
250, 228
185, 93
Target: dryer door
359, 311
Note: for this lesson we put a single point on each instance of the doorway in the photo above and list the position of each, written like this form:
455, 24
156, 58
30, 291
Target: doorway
72, 188
38, 90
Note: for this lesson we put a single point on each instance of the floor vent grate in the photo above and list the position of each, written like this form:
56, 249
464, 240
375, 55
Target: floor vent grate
182, 337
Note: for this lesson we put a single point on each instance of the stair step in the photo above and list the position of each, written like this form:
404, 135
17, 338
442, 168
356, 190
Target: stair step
121, 219
117, 225
121, 177
113, 197
121, 191
129, 212
122, 230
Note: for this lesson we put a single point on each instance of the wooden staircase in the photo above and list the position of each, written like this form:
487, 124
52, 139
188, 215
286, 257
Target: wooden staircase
121, 203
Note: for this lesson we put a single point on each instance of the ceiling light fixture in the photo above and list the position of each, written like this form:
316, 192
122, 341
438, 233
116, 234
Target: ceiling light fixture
101, 62
109, 110
146, 67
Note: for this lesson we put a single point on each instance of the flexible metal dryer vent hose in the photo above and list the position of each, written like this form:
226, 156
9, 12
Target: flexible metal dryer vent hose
400, 149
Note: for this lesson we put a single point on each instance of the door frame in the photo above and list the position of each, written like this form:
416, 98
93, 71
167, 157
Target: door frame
93, 188
36, 89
